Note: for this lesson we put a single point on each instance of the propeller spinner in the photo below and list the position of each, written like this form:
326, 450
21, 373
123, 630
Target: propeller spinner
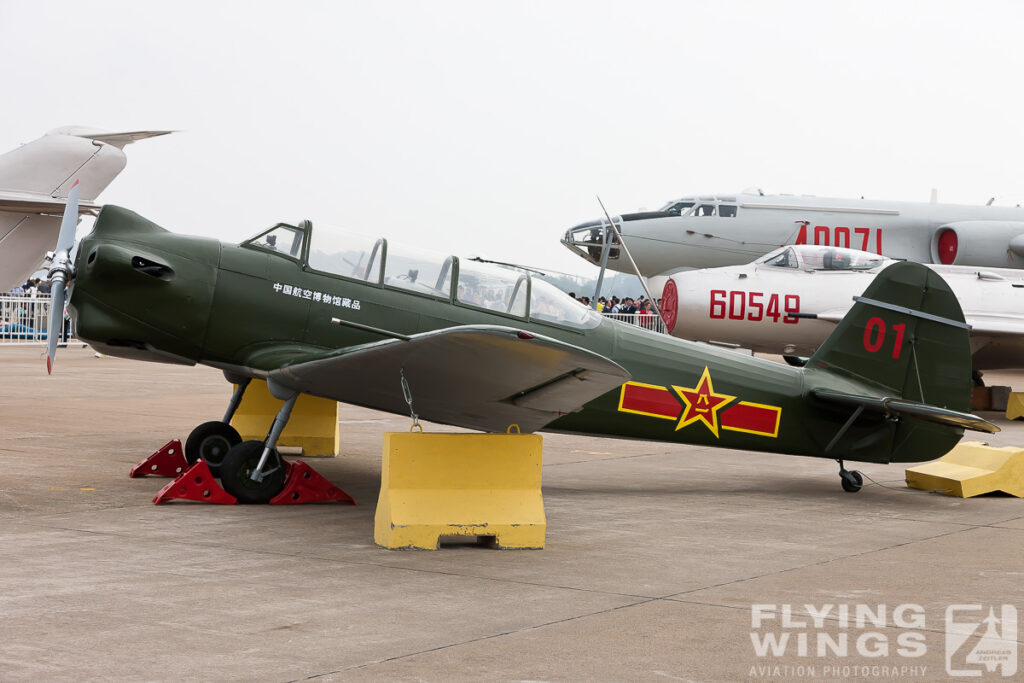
60, 273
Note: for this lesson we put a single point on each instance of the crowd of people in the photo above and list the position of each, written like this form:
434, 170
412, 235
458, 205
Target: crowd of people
639, 310
32, 287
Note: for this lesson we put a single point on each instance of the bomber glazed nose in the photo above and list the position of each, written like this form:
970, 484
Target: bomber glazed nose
587, 240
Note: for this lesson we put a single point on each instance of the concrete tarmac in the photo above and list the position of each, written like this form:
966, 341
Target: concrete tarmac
663, 562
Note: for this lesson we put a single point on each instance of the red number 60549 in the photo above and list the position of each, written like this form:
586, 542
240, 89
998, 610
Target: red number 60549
742, 305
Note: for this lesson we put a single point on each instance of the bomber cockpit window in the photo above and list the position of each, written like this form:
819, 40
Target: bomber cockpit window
349, 254
283, 239
491, 287
784, 258
549, 303
678, 208
726, 210
704, 210
418, 270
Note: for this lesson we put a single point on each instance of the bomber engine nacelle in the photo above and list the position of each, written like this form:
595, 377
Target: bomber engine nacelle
978, 243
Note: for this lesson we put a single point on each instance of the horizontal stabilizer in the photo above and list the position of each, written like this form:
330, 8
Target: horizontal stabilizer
898, 406
23, 202
121, 139
115, 138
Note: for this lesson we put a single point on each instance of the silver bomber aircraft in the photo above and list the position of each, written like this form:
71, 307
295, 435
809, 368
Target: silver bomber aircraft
789, 301
725, 230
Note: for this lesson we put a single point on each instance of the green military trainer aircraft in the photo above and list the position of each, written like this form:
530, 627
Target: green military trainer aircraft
364, 321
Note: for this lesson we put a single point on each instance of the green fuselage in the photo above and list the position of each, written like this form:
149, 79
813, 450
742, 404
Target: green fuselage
141, 292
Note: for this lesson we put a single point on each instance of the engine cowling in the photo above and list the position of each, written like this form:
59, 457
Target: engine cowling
979, 243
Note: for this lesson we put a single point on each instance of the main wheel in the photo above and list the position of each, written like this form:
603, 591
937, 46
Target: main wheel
852, 481
211, 441
237, 468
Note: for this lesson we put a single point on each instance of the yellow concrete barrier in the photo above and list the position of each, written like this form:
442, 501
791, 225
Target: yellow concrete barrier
1015, 406
483, 485
313, 425
971, 469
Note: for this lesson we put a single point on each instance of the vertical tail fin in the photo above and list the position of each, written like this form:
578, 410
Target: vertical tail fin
905, 336
895, 374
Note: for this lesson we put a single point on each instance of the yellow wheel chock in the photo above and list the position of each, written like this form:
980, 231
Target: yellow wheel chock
1015, 406
441, 485
313, 425
971, 469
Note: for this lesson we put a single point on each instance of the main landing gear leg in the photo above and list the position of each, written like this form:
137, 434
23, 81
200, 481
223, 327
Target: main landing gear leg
851, 480
253, 471
212, 440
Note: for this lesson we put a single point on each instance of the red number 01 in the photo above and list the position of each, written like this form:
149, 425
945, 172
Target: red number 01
874, 336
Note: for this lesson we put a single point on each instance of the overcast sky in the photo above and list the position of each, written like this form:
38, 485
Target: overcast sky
487, 128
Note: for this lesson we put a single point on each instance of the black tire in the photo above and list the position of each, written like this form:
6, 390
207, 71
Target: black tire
852, 481
238, 466
211, 441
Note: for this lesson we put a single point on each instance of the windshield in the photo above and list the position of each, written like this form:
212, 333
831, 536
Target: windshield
781, 258
283, 239
549, 303
679, 207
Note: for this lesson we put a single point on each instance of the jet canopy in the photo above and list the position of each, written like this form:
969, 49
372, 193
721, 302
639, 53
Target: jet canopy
340, 253
817, 257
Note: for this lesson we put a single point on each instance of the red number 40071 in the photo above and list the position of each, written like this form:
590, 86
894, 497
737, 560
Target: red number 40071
742, 305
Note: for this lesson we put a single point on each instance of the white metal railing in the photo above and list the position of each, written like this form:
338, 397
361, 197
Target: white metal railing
24, 319
648, 321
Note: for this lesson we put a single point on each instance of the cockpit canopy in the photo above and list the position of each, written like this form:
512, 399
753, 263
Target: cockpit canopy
341, 253
817, 257
712, 205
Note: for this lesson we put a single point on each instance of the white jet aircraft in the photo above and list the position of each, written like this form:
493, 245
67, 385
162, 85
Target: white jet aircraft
788, 302
725, 230
35, 179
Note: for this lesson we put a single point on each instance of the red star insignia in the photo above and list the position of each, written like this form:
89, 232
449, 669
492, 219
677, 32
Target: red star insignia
702, 403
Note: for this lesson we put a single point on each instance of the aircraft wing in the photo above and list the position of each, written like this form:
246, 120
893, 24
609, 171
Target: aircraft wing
996, 326
484, 377
26, 202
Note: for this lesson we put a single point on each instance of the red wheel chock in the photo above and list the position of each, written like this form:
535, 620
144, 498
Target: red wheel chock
195, 483
306, 485
169, 461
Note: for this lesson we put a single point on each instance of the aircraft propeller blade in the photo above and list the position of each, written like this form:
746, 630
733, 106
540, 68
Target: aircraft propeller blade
59, 275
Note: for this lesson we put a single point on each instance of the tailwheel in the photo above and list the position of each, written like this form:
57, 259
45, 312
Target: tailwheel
238, 466
851, 479
211, 442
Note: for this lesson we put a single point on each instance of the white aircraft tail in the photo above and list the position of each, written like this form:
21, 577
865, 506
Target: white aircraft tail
35, 179
47, 167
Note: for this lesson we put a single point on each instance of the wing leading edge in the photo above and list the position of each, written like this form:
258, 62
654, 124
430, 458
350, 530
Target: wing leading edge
484, 377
